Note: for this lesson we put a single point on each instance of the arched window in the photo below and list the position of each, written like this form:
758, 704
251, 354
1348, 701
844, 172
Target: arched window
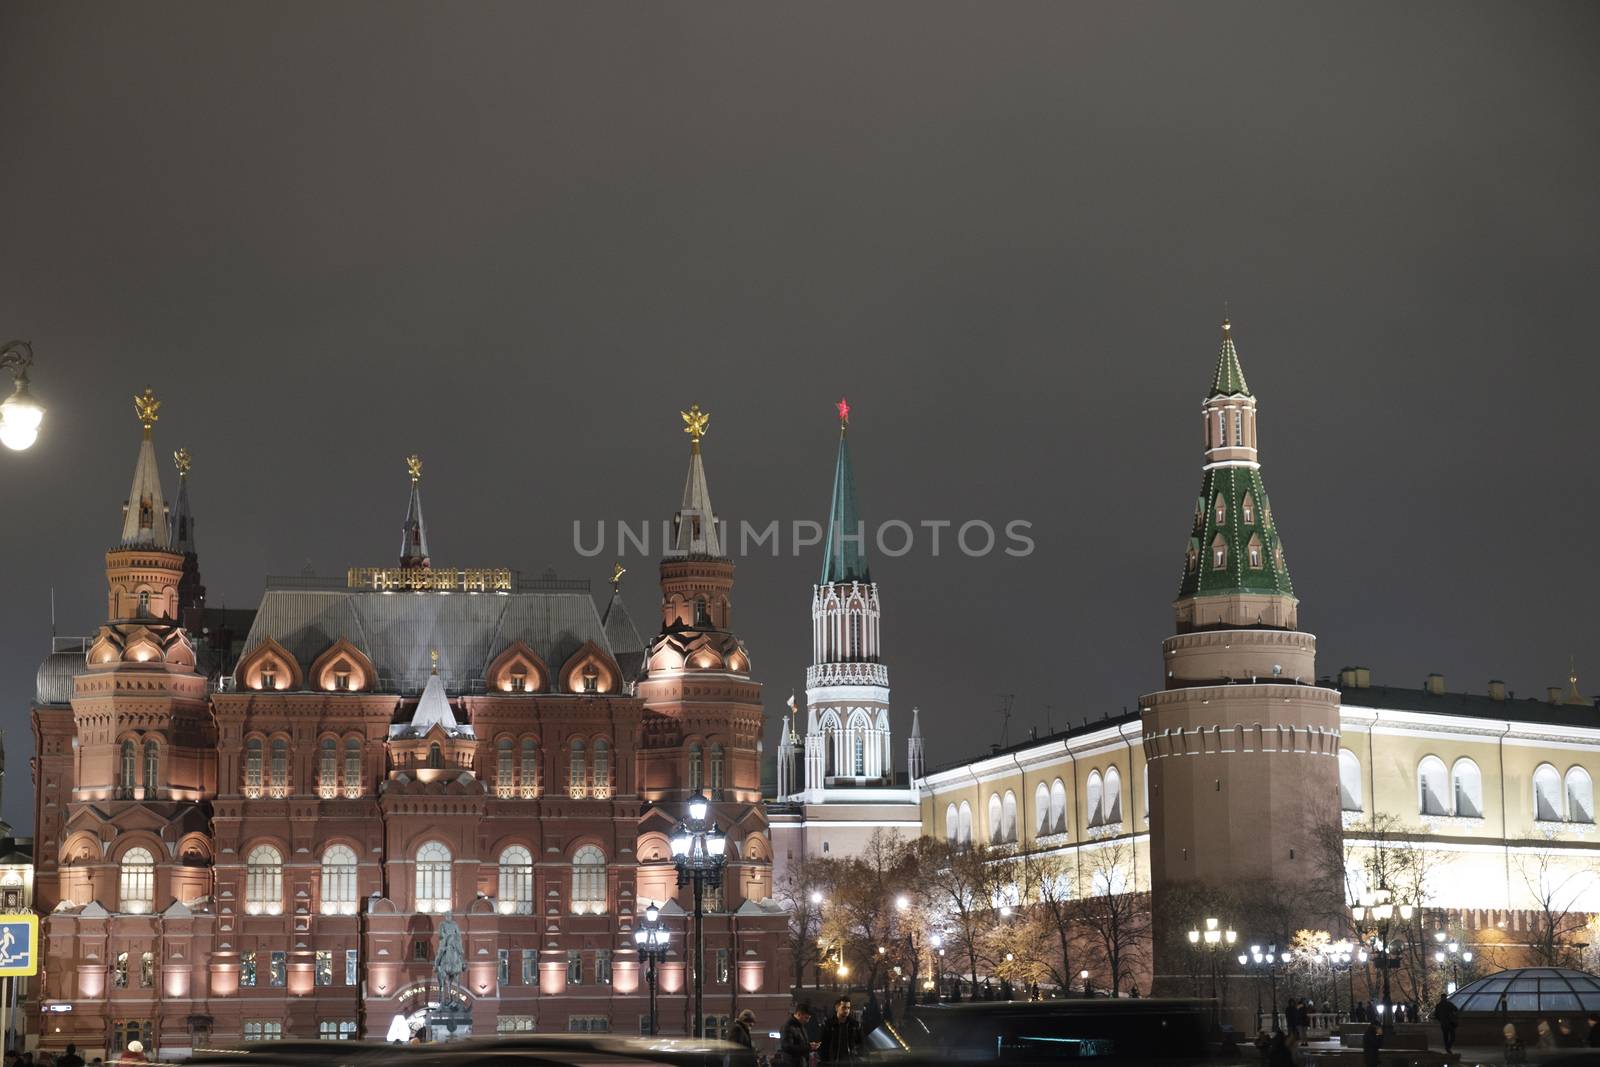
516, 881
1430, 787
575, 769
1041, 810
996, 820
1008, 816
952, 824
1247, 510
129, 768
530, 767
1466, 789
339, 880
1547, 794
1221, 509
433, 877
855, 635
352, 768
1253, 552
696, 776
1058, 806
252, 767
1349, 781
328, 767
1092, 800
1580, 796
1113, 798
717, 769
280, 764
504, 766
137, 891
858, 757
435, 757
152, 767
144, 594
966, 823
263, 881
602, 766
1219, 553
588, 881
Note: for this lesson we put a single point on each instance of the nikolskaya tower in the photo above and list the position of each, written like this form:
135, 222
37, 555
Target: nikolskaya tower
1242, 745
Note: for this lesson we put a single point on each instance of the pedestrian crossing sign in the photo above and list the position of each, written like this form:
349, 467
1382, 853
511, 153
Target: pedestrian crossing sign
19, 945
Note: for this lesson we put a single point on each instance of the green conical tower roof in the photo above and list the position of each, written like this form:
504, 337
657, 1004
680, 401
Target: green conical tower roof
1229, 379
843, 559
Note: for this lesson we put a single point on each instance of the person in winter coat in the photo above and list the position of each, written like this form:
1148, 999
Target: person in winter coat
1444, 1013
795, 1044
841, 1035
1371, 1044
739, 1032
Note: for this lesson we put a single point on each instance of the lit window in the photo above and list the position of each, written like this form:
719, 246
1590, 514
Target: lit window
516, 881
1580, 796
138, 881
996, 820
602, 768
152, 767
1041, 810
1094, 799
119, 971
502, 966
433, 877
530, 767
1112, 804
352, 768
1349, 781
588, 881
1247, 510
575, 770
339, 880
264, 1030
1253, 551
696, 778
722, 966
147, 970
351, 963
1222, 510
1546, 794
280, 766
337, 1030
278, 974
328, 767
128, 781
1058, 806
602, 967
324, 966
1219, 553
717, 769
247, 969
1238, 427
1466, 784
264, 881
574, 967
505, 767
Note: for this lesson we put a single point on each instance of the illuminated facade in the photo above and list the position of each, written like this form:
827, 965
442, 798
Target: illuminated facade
260, 845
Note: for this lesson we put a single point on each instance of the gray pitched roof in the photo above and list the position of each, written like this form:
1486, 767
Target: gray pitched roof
397, 631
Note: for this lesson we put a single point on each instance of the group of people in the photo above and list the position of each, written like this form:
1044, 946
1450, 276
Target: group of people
841, 1038
70, 1058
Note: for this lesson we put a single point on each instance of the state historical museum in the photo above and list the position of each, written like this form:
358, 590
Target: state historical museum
252, 822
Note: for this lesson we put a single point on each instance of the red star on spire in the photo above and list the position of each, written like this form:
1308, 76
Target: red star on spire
844, 411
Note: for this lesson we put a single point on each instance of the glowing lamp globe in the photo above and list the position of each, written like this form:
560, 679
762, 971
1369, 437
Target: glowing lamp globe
20, 417
698, 807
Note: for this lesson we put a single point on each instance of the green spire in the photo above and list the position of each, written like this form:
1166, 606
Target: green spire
1233, 516
1229, 379
843, 559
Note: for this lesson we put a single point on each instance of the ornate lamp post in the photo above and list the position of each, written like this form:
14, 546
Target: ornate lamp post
1450, 952
1213, 938
1380, 907
1341, 954
650, 937
698, 851
20, 413
1256, 960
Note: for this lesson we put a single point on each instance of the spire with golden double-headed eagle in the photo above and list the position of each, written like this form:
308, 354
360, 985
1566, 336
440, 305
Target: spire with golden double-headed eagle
414, 535
144, 514
694, 528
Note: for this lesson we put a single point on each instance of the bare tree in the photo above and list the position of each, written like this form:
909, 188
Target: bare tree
961, 882
1556, 881
802, 891
1115, 920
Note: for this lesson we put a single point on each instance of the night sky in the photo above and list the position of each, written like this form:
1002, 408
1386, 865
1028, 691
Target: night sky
518, 238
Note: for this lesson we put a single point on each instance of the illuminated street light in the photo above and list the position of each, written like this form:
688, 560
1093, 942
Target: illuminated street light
20, 413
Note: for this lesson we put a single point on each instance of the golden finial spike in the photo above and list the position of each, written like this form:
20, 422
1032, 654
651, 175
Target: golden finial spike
182, 461
147, 408
694, 424
617, 571
433, 654
414, 467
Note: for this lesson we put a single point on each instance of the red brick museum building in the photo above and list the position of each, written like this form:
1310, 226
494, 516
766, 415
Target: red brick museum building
250, 824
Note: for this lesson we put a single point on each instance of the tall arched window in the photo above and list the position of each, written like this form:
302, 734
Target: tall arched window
1580, 796
263, 881
252, 767
152, 768
504, 767
433, 877
280, 764
588, 881
966, 823
1546, 793
1092, 800
339, 880
997, 824
1041, 810
1247, 510
352, 767
1431, 786
127, 780
1466, 789
1113, 797
328, 767
530, 767
696, 775
516, 881
1008, 817
575, 771
1058, 806
859, 756
952, 824
1349, 781
717, 769
137, 889
602, 767
1221, 510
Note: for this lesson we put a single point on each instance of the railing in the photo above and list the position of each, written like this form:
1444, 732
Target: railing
847, 674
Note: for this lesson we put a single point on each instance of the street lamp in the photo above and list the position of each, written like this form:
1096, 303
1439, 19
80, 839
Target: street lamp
20, 413
1379, 906
1257, 960
1341, 954
650, 937
1450, 952
1214, 937
698, 851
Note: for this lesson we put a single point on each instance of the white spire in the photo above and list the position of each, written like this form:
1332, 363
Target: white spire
694, 529
144, 515
434, 708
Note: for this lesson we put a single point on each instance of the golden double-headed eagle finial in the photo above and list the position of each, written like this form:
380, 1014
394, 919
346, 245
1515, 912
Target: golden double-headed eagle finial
433, 654
182, 461
694, 424
147, 408
617, 571
414, 467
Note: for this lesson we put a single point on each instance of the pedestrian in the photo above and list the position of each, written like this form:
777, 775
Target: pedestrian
1371, 1044
1547, 1039
795, 1045
740, 1032
1594, 1030
70, 1058
1444, 1013
134, 1053
841, 1035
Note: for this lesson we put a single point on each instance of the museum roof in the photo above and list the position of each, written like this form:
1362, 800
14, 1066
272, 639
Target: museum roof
1466, 705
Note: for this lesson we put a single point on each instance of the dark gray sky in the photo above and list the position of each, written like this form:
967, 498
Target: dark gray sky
517, 238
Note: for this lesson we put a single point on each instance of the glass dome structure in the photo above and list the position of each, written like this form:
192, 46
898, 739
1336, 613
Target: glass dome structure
1530, 989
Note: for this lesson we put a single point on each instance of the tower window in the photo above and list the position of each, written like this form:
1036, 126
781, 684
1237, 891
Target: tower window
1247, 510
152, 765
341, 680
1219, 553
128, 768
1253, 550
519, 682
144, 602
1222, 510
1238, 427
435, 757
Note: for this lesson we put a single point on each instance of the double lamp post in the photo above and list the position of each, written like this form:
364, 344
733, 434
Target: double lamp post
699, 851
